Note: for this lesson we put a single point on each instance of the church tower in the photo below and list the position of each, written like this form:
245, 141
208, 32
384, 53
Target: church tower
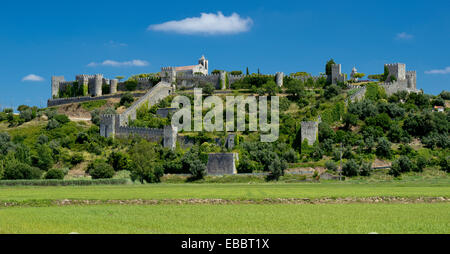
202, 61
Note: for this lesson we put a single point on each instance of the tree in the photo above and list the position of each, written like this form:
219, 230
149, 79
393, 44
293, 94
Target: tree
402, 165
208, 88
246, 72
365, 169
270, 88
384, 148
444, 163
295, 89
350, 168
276, 169
120, 78
349, 120
331, 165
43, 158
359, 75
385, 74
328, 67
100, 170
331, 91
119, 161
144, 165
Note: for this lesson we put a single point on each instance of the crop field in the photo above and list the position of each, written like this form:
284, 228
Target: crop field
250, 208
229, 219
226, 191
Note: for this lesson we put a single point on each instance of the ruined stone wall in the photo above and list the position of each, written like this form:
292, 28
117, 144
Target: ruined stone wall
279, 78
222, 163
309, 131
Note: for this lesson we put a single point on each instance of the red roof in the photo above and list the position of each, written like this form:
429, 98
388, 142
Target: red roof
185, 68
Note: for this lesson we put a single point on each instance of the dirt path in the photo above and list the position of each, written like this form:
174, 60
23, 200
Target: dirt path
304, 201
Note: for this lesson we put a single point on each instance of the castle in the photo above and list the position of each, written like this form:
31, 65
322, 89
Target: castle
90, 87
87, 85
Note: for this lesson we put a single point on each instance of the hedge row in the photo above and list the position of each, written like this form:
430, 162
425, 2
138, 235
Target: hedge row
55, 182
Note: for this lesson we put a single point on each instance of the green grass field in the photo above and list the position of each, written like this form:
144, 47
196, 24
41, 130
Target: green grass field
226, 191
33, 214
229, 219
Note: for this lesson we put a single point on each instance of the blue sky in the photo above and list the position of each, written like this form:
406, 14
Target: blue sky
46, 38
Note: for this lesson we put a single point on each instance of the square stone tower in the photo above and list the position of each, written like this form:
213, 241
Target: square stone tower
398, 70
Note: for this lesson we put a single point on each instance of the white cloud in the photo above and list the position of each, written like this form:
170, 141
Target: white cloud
441, 71
33, 78
135, 63
404, 36
207, 23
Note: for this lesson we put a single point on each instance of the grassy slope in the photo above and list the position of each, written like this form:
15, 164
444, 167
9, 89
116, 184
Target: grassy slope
229, 191
350, 218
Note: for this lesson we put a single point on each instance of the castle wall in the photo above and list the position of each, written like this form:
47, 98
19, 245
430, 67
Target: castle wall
113, 86
55, 85
153, 96
411, 77
336, 75
279, 79
394, 87
398, 70
116, 125
61, 101
222, 164
164, 112
309, 131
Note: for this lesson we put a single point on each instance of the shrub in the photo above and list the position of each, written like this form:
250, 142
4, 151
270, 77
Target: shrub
421, 163
247, 166
44, 157
131, 85
331, 91
401, 165
54, 174
18, 170
82, 137
42, 139
62, 119
197, 169
276, 169
365, 169
52, 124
76, 158
208, 88
126, 100
445, 164
331, 165
100, 170
350, 168
384, 148
119, 161
55, 182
